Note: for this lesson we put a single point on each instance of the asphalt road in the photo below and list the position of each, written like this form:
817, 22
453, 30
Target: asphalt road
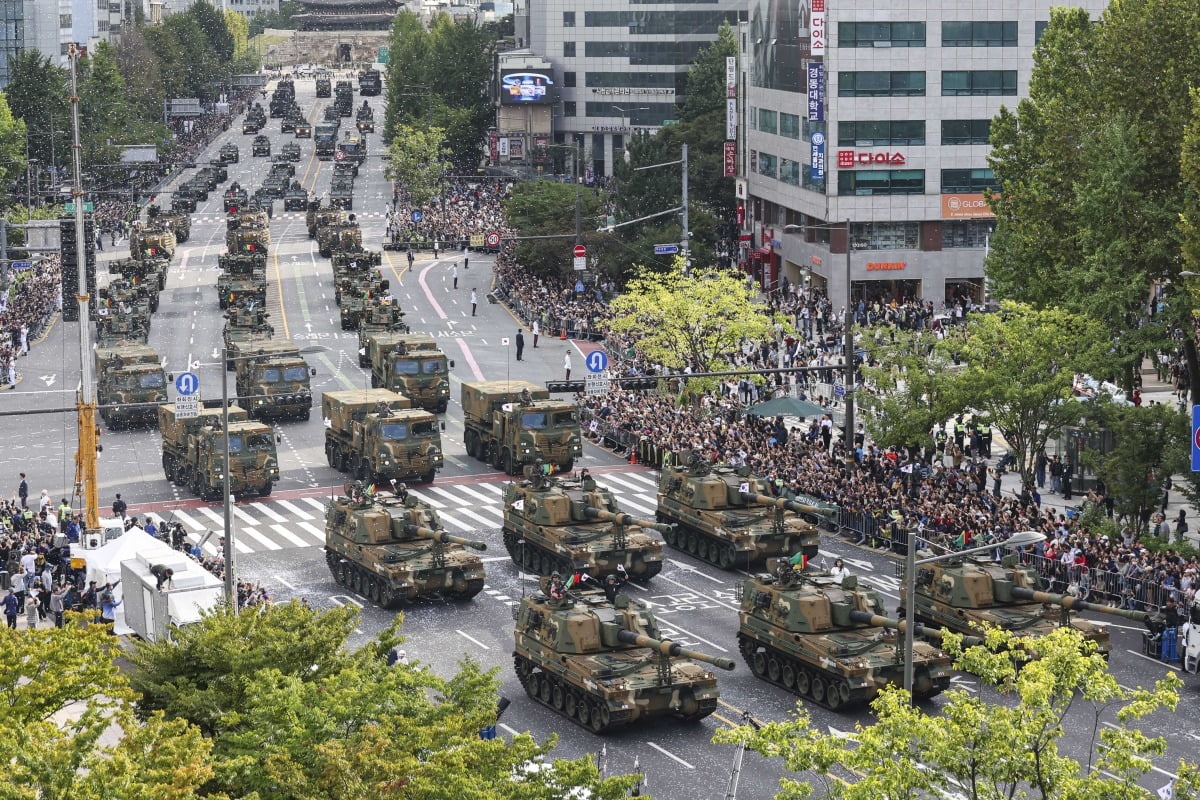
279, 537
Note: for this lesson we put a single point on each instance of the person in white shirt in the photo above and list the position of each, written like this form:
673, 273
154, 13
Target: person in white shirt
839, 571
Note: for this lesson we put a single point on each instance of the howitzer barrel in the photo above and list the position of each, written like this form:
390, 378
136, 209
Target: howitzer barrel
669, 648
878, 621
622, 518
442, 536
782, 502
1076, 604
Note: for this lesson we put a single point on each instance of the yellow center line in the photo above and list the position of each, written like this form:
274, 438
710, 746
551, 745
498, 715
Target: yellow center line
279, 283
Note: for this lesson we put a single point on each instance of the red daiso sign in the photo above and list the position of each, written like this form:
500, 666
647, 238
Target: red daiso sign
849, 159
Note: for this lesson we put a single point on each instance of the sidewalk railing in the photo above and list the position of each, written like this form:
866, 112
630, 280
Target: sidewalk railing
552, 324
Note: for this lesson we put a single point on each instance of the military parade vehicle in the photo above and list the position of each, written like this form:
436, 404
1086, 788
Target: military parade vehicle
179, 224
152, 241
192, 191
357, 294
411, 364
339, 238
148, 272
604, 665
115, 329
513, 423
261, 146
212, 176
962, 594
248, 231
391, 549
219, 169
291, 152
726, 516
125, 297
229, 152
343, 98
282, 98
282, 165
828, 640
364, 119
332, 116
348, 261
129, 381
353, 148
194, 452
291, 117
303, 129
252, 125
318, 217
295, 198
324, 86
376, 435
235, 198
379, 316
274, 384
243, 277
182, 205
245, 325
560, 524
370, 82
325, 140
341, 191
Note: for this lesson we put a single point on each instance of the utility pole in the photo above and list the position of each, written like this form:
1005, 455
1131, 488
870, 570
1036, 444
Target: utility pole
683, 245
848, 380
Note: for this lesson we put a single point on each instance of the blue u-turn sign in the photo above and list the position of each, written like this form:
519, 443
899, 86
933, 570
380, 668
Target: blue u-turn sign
597, 361
187, 383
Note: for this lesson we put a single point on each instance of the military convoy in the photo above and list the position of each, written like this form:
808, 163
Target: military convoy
376, 435
391, 549
129, 381
963, 594
152, 241
276, 382
194, 452
246, 325
248, 231
604, 665
828, 641
378, 317
148, 272
726, 516
411, 364
556, 524
509, 424
261, 146
180, 224
243, 278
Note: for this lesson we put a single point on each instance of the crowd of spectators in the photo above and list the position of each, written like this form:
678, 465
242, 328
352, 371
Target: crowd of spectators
464, 208
26, 307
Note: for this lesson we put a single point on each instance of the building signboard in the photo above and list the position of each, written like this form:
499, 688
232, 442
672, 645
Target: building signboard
878, 266
730, 159
816, 29
817, 156
522, 86
816, 91
849, 159
731, 119
965, 206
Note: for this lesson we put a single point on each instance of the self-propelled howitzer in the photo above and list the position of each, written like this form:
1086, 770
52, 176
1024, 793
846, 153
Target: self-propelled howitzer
605, 665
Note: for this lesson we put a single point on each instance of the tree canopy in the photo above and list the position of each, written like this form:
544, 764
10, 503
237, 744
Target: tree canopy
416, 159
547, 208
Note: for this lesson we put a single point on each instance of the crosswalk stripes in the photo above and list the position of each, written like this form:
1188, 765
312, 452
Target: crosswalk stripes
268, 524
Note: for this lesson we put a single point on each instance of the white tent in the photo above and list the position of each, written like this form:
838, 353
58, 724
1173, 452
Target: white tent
104, 563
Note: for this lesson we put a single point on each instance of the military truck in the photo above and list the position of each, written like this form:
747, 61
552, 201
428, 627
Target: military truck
129, 380
193, 452
229, 152
379, 316
295, 198
274, 384
318, 217
353, 303
245, 325
391, 549
558, 524
179, 224
150, 272
513, 423
353, 148
347, 261
152, 241
248, 231
341, 192
828, 641
339, 238
364, 119
125, 297
605, 665
963, 593
412, 365
324, 87
303, 129
235, 198
261, 146
727, 517
115, 329
192, 190
243, 277
182, 205
291, 151
377, 436
370, 82
325, 141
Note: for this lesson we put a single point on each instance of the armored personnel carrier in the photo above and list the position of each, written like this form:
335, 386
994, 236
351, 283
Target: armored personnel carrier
379, 316
245, 324
248, 231
828, 641
229, 152
295, 198
726, 516
318, 217
604, 665
391, 549
564, 525
339, 238
180, 224
291, 151
152, 241
148, 272
261, 146
962, 594
235, 198
243, 277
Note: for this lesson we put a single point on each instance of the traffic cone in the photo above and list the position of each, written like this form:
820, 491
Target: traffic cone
633, 457
562, 334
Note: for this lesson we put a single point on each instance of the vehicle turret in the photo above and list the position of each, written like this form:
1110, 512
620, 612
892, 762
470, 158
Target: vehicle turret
1069, 603
441, 537
604, 664
620, 518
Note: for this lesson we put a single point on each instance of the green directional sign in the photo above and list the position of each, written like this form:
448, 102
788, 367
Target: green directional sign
383, 56
87, 208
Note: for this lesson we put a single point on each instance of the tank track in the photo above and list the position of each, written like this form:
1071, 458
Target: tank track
537, 560
702, 545
826, 689
351, 576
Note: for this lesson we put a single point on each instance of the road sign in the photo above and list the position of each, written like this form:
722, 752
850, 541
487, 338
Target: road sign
493, 239
665, 249
597, 361
21, 266
476, 241
70, 208
187, 383
839, 390
1195, 438
417, 216
187, 406
580, 251
340, 155
596, 384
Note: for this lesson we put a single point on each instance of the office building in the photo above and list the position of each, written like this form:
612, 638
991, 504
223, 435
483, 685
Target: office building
877, 113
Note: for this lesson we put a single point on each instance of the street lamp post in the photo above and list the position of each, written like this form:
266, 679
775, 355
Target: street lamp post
1020, 539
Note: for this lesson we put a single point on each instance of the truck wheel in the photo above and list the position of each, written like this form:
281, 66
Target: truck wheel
469, 443
508, 461
305, 414
428, 476
330, 455
494, 456
265, 491
566, 465
374, 381
442, 406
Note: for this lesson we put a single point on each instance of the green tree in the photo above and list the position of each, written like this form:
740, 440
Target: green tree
416, 160
908, 388
292, 712
987, 751
12, 145
546, 208
706, 77
691, 318
104, 116
141, 70
62, 693
1020, 366
246, 58
216, 33
37, 94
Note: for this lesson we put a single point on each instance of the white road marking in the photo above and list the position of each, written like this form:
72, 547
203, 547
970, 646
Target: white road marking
278, 579
266, 510
693, 570
263, 541
470, 638
706, 597
669, 754
291, 537
1154, 660
320, 507
316, 533
293, 509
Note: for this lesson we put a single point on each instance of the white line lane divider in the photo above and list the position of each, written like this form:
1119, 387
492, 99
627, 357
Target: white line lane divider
694, 571
470, 638
690, 589
670, 755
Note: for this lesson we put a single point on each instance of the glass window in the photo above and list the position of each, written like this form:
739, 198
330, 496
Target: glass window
881, 34
151, 380
562, 418
966, 233
979, 34
235, 444
767, 121
789, 125
881, 84
881, 133
979, 82
568, 19
533, 420
966, 131
269, 375
295, 373
1039, 29
569, 108
569, 80
881, 181
817, 185
968, 181
753, 118
432, 367
767, 165
393, 431
789, 171
885, 235
568, 49
260, 443
625, 80
407, 366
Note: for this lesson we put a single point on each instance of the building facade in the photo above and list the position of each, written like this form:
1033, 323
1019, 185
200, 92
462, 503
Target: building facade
621, 65
50, 28
877, 114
